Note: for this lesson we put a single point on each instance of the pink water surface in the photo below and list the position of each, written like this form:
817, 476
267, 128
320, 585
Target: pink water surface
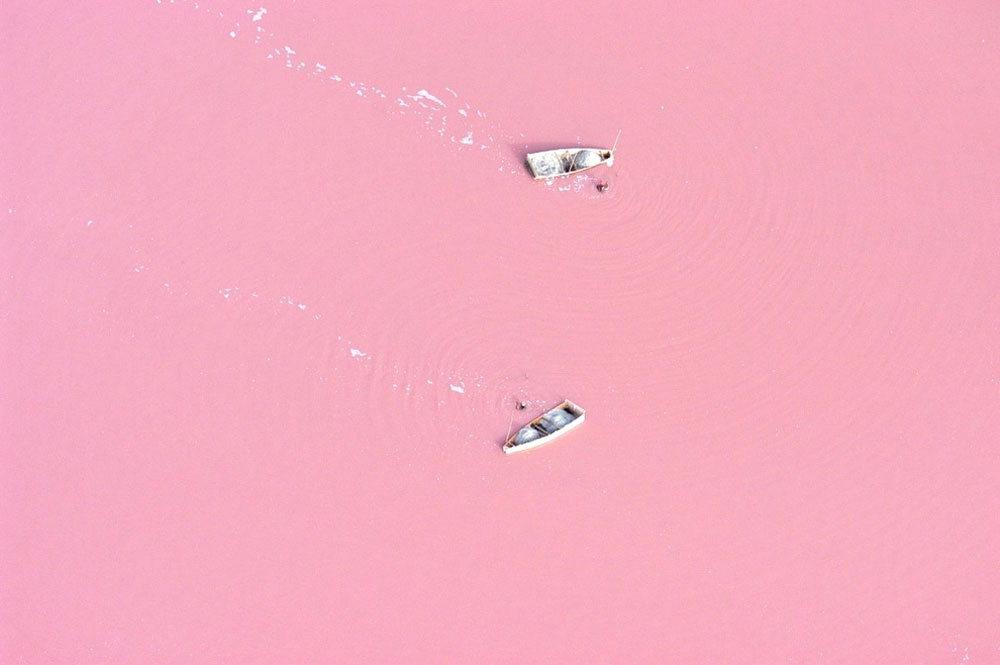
273, 278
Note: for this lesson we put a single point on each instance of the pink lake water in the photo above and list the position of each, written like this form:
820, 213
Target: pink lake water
273, 278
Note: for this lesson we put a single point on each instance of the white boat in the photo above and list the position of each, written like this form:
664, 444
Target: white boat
566, 161
546, 428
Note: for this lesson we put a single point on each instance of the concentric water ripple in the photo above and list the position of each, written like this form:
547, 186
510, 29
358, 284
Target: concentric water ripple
702, 247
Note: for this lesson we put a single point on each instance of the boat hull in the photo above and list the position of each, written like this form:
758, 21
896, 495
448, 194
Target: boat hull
579, 414
566, 161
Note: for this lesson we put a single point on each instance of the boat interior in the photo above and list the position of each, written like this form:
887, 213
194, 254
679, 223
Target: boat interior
545, 424
559, 162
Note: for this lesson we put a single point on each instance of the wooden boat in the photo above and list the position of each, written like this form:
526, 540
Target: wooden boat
546, 428
566, 161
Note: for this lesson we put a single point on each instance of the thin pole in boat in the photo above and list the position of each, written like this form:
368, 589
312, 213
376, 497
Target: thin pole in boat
616, 142
510, 426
